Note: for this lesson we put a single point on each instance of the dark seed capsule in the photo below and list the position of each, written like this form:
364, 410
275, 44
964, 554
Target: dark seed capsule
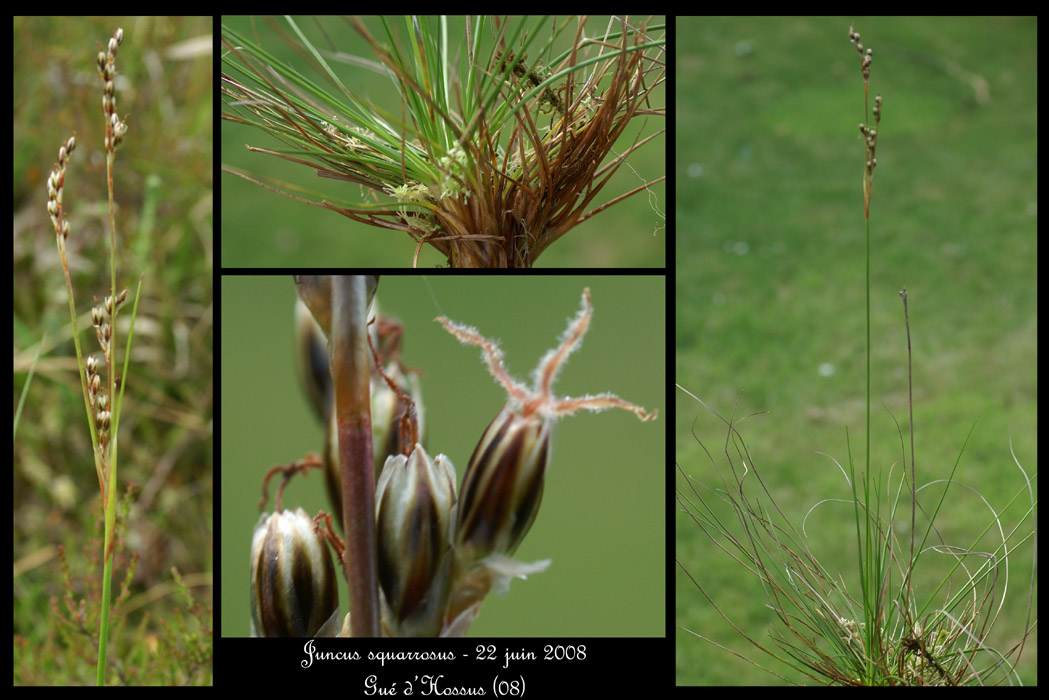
503, 485
413, 500
293, 589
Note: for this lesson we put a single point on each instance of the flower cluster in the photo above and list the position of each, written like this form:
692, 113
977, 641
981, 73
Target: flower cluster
107, 70
98, 397
54, 191
96, 388
101, 317
438, 554
869, 133
865, 58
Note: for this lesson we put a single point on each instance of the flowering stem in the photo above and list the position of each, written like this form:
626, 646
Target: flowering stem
350, 375
115, 129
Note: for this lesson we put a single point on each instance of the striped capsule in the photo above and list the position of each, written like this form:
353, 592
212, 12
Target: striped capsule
503, 484
413, 504
293, 591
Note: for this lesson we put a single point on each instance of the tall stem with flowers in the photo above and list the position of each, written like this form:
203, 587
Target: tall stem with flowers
103, 410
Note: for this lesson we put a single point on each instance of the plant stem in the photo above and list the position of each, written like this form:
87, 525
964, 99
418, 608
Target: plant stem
107, 570
351, 377
109, 502
910, 403
83, 380
870, 610
109, 494
102, 407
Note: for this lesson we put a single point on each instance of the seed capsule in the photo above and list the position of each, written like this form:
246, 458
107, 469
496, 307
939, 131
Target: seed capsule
413, 502
503, 485
293, 590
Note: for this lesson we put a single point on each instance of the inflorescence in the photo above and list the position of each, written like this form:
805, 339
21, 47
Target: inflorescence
870, 134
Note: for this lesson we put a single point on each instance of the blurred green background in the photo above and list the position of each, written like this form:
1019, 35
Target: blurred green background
262, 228
602, 520
770, 280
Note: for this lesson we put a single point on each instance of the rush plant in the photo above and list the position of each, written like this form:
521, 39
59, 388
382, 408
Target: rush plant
492, 156
923, 603
99, 373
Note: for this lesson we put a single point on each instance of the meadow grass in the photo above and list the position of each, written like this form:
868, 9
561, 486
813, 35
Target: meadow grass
882, 621
116, 213
790, 356
98, 373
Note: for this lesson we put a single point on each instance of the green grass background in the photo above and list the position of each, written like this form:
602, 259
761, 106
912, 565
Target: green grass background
602, 520
264, 229
770, 279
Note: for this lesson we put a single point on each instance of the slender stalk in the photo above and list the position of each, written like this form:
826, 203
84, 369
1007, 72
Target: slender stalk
869, 604
107, 72
873, 561
107, 576
910, 402
350, 374
99, 467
